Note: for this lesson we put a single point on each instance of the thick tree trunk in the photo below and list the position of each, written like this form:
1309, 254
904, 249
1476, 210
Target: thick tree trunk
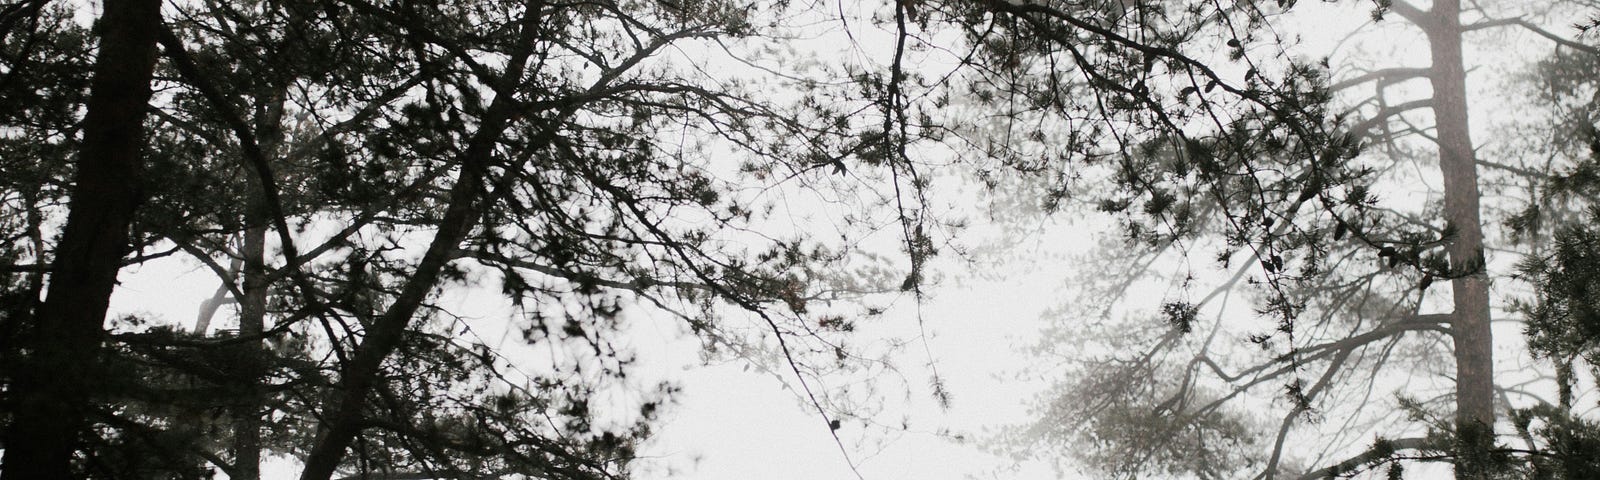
1474, 345
52, 390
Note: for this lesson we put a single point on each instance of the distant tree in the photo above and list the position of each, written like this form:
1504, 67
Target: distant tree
1559, 222
1562, 329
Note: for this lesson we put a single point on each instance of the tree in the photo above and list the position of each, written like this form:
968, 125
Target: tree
339, 164
61, 342
1261, 159
1560, 268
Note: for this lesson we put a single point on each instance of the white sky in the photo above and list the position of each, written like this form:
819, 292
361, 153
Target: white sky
737, 423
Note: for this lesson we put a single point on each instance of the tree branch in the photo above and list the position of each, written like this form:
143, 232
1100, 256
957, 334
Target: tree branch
1384, 77
1411, 13
1377, 453
1560, 40
1383, 115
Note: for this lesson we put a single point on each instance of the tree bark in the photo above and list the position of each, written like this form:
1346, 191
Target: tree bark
55, 381
1474, 344
252, 320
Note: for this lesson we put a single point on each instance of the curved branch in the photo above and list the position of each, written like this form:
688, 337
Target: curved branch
1537, 30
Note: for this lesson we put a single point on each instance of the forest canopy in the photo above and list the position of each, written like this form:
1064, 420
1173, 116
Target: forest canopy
772, 178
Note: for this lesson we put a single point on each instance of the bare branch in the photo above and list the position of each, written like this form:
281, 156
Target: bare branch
1560, 40
1384, 77
1385, 113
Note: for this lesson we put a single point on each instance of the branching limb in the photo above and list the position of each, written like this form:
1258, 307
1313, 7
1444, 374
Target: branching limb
1537, 30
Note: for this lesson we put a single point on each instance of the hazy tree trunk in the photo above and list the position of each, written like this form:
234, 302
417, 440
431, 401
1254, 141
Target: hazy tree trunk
36, 240
1474, 345
209, 307
252, 318
12, 326
253, 307
52, 389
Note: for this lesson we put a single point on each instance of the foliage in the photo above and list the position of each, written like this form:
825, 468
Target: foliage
1202, 130
1187, 125
1563, 323
345, 166
1562, 329
392, 153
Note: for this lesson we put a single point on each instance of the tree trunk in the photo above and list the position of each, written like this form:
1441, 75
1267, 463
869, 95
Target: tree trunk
53, 386
209, 307
1474, 344
252, 319
253, 307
